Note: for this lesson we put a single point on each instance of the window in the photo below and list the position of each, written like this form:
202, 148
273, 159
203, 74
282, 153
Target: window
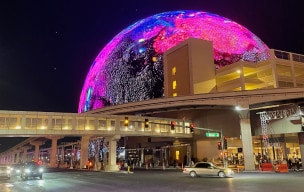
177, 155
202, 165
174, 84
173, 70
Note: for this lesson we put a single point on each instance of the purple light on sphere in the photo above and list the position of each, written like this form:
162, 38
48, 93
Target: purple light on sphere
130, 67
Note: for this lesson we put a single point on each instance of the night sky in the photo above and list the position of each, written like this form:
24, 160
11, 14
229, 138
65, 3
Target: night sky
48, 46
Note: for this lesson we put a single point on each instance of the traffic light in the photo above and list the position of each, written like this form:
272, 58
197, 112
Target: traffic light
172, 125
191, 127
225, 143
146, 123
126, 121
219, 145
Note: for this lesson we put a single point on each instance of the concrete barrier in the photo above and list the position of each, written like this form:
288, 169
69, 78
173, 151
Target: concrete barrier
282, 168
266, 167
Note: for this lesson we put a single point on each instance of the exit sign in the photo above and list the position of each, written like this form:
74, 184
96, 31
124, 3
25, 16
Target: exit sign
208, 134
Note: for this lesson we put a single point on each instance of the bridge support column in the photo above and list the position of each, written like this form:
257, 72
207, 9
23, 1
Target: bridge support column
301, 143
112, 165
53, 159
17, 156
246, 137
84, 151
11, 157
37, 145
24, 154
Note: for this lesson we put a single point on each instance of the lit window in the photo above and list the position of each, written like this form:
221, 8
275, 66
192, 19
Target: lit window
174, 94
177, 155
173, 70
174, 84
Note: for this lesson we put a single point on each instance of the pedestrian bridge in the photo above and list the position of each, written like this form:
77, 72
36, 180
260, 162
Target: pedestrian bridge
39, 124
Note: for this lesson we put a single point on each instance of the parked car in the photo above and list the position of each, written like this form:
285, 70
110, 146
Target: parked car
207, 169
5, 172
31, 170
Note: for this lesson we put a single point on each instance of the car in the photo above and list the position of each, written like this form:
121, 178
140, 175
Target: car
5, 171
16, 169
207, 169
31, 170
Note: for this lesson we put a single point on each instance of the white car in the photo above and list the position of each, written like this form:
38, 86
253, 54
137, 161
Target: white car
5, 172
207, 169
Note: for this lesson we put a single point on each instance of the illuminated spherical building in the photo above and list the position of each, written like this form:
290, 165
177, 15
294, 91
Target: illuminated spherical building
130, 67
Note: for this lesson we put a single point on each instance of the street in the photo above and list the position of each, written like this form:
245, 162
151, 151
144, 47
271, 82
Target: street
153, 180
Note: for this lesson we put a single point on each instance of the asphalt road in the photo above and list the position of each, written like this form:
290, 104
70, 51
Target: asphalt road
153, 181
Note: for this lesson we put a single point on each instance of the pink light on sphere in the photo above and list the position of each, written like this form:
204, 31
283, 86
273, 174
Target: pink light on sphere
123, 67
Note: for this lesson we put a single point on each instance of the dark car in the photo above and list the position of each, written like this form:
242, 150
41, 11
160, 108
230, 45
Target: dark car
31, 170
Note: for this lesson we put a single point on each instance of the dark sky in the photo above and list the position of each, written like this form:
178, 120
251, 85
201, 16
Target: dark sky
47, 46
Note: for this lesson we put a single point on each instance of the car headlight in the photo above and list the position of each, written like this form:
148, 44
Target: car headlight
27, 170
228, 171
40, 170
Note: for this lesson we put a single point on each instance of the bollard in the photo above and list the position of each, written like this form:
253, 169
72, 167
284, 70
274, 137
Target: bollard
128, 169
164, 168
147, 166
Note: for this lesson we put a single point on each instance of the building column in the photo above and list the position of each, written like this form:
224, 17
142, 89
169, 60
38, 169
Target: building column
84, 151
11, 158
53, 158
17, 155
112, 164
301, 143
37, 145
246, 137
24, 154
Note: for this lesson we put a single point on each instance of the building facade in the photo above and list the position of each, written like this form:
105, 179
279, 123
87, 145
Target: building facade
189, 70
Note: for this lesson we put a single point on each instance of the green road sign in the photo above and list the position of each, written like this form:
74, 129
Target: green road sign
208, 134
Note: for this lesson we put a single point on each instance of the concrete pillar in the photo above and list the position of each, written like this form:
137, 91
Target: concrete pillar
84, 151
142, 156
246, 137
17, 156
37, 145
24, 154
301, 143
10, 159
53, 158
112, 164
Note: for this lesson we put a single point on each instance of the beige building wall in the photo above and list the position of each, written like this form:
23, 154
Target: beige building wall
193, 63
189, 68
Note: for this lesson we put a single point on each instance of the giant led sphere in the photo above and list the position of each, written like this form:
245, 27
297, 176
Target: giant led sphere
130, 67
